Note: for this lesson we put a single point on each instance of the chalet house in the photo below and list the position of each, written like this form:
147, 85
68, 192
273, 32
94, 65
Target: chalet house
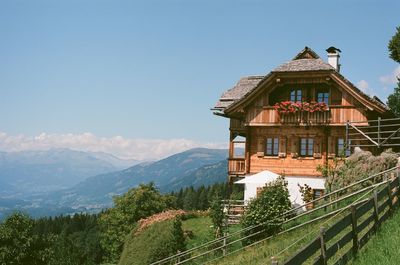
293, 119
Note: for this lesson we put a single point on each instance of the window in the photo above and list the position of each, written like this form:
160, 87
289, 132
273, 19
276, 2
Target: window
317, 193
295, 95
341, 148
323, 96
238, 146
306, 147
272, 146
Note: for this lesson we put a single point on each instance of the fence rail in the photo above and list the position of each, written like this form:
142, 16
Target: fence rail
326, 206
378, 133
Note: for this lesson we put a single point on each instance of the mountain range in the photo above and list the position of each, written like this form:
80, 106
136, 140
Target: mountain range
194, 167
30, 172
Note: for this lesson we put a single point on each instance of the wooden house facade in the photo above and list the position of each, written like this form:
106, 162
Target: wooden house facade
293, 119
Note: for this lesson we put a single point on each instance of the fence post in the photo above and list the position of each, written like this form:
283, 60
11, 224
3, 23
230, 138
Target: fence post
274, 261
354, 228
347, 136
224, 244
389, 190
379, 132
376, 213
397, 177
323, 245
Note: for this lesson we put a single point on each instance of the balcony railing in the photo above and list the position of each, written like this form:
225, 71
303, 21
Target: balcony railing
305, 117
236, 166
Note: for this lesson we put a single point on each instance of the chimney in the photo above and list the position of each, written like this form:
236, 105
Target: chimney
333, 57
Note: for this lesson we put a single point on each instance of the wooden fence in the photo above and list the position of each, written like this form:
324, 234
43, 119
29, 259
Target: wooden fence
374, 133
342, 240
233, 210
327, 206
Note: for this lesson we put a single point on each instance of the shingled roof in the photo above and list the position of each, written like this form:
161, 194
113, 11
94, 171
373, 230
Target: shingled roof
242, 88
305, 60
304, 65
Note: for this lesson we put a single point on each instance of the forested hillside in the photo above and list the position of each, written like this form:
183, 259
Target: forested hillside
94, 238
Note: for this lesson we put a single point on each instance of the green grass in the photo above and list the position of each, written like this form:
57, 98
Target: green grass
285, 245
201, 229
149, 245
262, 252
383, 248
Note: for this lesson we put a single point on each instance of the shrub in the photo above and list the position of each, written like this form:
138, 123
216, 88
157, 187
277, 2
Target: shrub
267, 209
358, 166
217, 217
130, 207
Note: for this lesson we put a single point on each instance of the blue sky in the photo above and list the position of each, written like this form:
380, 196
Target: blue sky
152, 69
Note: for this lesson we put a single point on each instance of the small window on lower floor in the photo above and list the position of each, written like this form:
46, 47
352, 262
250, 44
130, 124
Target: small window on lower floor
317, 193
306, 147
272, 146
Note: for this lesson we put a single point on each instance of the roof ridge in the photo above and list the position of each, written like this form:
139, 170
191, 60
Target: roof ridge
306, 53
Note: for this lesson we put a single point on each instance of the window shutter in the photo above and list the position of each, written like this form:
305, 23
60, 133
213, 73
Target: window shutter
295, 146
260, 146
331, 147
336, 96
317, 147
282, 147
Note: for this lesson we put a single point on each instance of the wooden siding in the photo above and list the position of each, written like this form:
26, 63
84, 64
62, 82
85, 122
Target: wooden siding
288, 162
259, 116
340, 114
236, 125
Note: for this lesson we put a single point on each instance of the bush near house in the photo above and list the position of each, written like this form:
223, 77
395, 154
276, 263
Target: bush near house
266, 208
359, 165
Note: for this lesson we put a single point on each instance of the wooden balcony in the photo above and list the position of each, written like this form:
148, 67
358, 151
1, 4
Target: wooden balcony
303, 117
236, 166
334, 116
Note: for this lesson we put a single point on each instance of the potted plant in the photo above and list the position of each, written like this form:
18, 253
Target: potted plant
286, 107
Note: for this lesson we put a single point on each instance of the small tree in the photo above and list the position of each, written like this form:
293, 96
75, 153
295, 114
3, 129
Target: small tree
217, 217
331, 172
394, 46
18, 243
306, 193
266, 210
178, 236
130, 207
394, 100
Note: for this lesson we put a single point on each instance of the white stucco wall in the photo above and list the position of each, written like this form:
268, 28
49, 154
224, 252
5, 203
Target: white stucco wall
250, 189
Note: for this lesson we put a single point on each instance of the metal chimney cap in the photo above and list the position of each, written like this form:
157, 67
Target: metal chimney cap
333, 50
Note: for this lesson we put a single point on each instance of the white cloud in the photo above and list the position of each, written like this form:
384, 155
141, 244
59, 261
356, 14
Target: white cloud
364, 86
133, 148
391, 78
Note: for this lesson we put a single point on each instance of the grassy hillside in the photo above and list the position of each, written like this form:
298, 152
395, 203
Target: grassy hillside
200, 228
383, 248
148, 245
153, 243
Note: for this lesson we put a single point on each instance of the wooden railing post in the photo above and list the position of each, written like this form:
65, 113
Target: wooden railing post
323, 245
354, 228
274, 261
389, 191
379, 132
347, 146
376, 213
224, 249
